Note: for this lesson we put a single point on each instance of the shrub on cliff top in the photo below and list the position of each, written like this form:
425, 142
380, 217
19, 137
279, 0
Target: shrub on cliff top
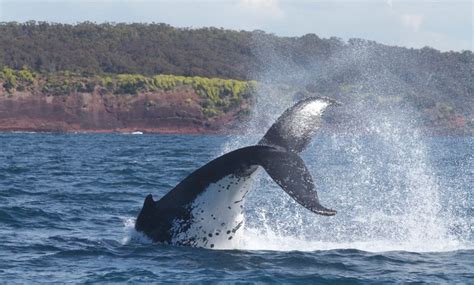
26, 76
9, 78
131, 83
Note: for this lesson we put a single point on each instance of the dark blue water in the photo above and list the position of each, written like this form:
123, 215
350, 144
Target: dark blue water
68, 202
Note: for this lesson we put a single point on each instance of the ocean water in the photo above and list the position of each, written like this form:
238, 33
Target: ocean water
405, 211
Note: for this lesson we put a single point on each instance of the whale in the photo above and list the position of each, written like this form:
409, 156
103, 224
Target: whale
206, 209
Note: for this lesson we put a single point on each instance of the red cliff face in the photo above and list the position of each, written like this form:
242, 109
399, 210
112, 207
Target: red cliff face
162, 112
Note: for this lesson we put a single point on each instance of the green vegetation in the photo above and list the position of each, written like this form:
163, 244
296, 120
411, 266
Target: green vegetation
25, 75
10, 79
17, 80
217, 95
131, 83
220, 95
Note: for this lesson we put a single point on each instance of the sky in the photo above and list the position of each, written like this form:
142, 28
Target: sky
444, 25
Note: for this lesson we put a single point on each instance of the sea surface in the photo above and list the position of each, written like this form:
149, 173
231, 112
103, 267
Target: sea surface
405, 211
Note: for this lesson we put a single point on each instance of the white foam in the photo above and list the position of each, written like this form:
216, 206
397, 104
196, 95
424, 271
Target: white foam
256, 239
131, 235
133, 133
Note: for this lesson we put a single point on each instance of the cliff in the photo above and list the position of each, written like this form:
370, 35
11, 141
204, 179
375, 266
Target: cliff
77, 104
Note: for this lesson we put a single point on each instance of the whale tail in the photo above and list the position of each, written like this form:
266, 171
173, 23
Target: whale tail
295, 128
292, 132
289, 171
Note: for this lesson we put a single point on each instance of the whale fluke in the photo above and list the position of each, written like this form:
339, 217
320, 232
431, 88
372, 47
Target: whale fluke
295, 128
289, 171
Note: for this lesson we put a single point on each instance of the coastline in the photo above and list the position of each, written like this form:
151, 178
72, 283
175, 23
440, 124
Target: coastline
177, 111
164, 131
233, 130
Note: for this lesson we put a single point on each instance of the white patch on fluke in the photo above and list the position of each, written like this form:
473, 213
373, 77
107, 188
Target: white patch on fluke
301, 124
217, 215
314, 108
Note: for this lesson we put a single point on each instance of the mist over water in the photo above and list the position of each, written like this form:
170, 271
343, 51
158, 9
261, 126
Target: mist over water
375, 170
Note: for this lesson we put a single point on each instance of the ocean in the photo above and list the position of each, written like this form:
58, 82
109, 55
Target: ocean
405, 211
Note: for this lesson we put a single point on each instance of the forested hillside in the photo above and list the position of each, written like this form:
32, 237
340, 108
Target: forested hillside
438, 84
126, 48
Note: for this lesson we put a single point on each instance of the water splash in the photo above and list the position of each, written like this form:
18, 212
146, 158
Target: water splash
131, 235
375, 170
381, 182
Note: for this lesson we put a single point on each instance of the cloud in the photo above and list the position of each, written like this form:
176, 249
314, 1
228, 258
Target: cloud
263, 7
412, 21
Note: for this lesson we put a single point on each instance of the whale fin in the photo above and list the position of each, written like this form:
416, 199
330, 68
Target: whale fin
296, 126
289, 171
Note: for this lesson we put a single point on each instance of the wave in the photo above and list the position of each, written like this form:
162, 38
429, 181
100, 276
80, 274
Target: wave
256, 239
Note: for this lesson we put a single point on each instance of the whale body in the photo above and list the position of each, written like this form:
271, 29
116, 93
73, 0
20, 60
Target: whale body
206, 209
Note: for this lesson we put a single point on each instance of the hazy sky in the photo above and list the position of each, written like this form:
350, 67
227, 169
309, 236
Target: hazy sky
445, 25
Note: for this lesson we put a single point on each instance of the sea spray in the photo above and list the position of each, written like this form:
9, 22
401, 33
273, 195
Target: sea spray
375, 170
131, 235
382, 184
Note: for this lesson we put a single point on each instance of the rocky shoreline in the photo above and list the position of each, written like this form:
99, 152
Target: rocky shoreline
151, 112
